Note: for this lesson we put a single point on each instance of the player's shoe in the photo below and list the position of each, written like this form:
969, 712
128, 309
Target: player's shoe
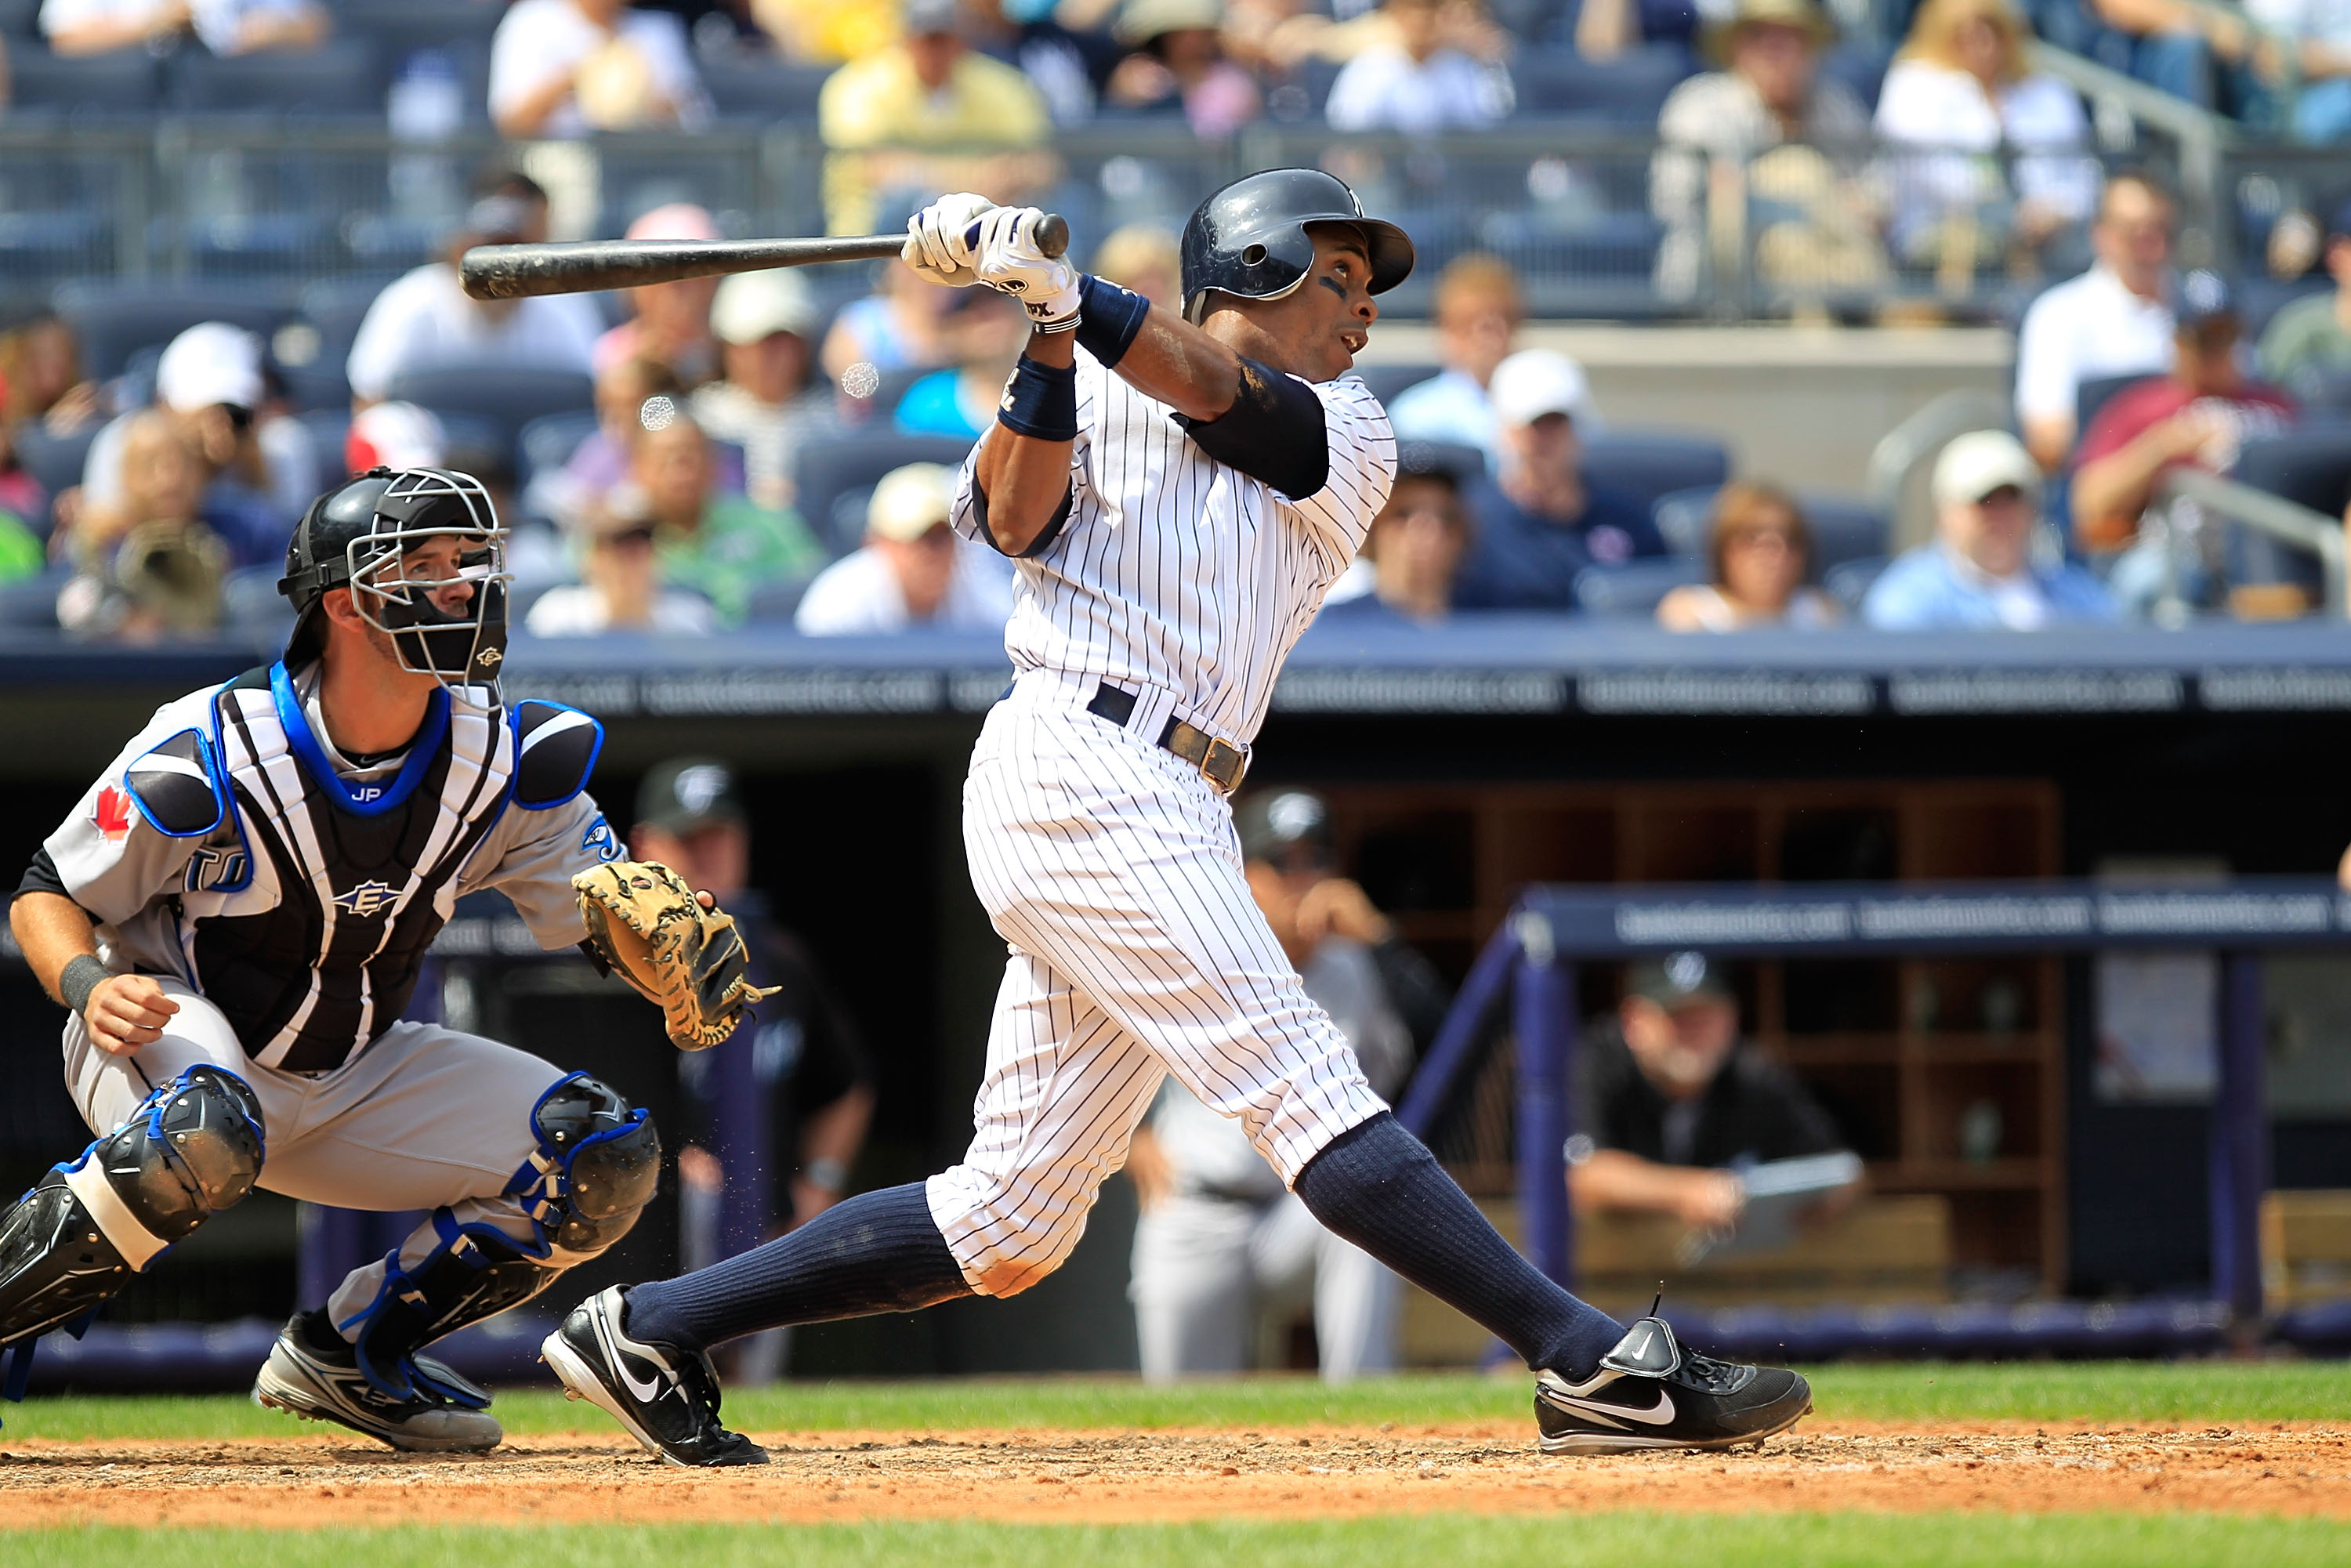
666, 1396
313, 1372
1650, 1393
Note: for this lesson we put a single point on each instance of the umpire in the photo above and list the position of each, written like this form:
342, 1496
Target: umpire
775, 1115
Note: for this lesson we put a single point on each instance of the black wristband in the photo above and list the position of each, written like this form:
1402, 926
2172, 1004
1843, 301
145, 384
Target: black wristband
1040, 401
81, 976
1108, 319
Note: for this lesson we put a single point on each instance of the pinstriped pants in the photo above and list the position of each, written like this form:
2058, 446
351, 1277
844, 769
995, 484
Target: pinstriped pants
1111, 869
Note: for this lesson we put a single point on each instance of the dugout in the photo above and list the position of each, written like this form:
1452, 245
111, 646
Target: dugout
1463, 763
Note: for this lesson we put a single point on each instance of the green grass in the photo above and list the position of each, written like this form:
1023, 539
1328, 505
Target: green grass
2112, 1392
1780, 1541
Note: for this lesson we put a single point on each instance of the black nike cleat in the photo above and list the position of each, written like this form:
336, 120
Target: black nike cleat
667, 1397
1650, 1393
313, 1372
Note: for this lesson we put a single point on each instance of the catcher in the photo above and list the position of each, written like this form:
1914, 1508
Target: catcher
233, 917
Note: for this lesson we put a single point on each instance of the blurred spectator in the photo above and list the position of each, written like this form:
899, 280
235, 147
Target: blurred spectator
720, 545
1145, 258
1758, 550
1671, 1103
1607, 28
2321, 109
928, 91
2199, 416
765, 322
258, 473
22, 553
1219, 1241
601, 463
1798, 138
1978, 571
902, 324
827, 32
1068, 69
1414, 546
40, 375
1962, 93
2197, 52
1478, 309
224, 27
561, 68
147, 567
1540, 521
912, 571
2310, 339
620, 590
1178, 65
988, 330
425, 320
394, 435
668, 322
2113, 320
1418, 82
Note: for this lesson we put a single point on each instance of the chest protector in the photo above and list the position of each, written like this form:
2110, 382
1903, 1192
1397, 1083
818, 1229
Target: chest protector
315, 952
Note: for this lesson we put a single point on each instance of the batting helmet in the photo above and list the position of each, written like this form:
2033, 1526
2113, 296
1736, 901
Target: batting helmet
1254, 238
358, 535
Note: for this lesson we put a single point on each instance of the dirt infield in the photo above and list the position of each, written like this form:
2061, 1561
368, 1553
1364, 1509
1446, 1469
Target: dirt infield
310, 1482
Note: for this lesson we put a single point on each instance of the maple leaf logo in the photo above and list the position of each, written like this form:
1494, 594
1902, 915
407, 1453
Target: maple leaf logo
112, 814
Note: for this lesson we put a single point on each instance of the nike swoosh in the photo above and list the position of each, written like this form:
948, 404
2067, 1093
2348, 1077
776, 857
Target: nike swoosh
648, 1391
1656, 1415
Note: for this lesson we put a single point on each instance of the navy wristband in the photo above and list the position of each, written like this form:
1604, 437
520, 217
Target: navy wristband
1108, 319
1040, 401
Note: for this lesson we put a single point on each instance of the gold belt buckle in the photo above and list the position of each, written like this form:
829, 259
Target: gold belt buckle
1223, 764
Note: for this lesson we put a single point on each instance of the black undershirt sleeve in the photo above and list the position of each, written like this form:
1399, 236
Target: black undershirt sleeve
42, 876
1274, 431
1045, 538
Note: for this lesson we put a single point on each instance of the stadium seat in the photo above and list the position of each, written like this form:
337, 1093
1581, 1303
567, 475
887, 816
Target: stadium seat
2092, 395
1387, 381
2311, 466
1651, 464
773, 602
2259, 299
20, 19
341, 80
827, 469
1843, 527
113, 319
124, 82
1628, 90
509, 399
30, 604
761, 90
1859, 66
461, 29
1847, 583
1634, 588
56, 461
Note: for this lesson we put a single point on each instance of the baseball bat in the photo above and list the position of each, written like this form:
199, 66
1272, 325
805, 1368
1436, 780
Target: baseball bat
580, 267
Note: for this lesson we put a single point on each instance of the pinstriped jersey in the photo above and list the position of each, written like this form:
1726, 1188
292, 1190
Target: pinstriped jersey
1179, 572
232, 846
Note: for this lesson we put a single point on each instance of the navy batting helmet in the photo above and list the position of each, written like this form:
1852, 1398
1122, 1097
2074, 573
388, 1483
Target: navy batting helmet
1254, 237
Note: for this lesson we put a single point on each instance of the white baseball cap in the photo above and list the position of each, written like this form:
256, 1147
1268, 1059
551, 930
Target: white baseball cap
752, 306
210, 363
396, 436
1533, 382
1975, 465
910, 502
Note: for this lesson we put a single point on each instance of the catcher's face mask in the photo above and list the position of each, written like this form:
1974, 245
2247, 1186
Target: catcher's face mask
431, 575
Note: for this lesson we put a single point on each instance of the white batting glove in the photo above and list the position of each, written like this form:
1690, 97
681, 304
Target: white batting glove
935, 246
1007, 259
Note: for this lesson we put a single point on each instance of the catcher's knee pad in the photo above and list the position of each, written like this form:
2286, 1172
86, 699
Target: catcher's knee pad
191, 1149
597, 1164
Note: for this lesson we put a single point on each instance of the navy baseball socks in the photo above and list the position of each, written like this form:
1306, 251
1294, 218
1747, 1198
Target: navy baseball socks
1377, 1185
876, 1252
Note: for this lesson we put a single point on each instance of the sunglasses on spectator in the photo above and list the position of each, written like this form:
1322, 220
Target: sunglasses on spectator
629, 537
1780, 536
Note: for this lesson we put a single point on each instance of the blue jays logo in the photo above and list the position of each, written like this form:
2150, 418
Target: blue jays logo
215, 870
367, 901
598, 840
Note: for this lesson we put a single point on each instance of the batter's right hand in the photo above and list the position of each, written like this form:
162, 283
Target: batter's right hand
126, 1012
935, 245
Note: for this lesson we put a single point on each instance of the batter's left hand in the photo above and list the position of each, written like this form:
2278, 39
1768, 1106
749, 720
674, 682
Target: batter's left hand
1007, 259
1339, 907
935, 246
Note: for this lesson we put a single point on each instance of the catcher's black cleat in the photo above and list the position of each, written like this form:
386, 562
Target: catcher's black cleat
313, 1372
1650, 1393
667, 1397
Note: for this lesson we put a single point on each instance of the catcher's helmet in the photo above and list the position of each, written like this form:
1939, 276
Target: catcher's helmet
357, 537
1253, 237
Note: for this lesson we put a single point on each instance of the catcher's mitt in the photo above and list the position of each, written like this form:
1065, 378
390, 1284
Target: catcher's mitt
646, 924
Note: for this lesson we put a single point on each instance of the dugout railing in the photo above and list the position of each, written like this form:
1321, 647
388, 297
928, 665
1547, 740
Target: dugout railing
1528, 968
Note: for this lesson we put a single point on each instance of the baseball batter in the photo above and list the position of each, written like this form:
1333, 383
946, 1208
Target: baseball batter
1179, 492
233, 917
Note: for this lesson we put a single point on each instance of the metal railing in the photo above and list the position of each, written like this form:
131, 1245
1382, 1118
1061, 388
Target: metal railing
2289, 523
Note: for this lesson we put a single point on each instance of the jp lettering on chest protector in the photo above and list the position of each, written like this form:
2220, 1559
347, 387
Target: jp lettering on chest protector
235, 916
1179, 490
